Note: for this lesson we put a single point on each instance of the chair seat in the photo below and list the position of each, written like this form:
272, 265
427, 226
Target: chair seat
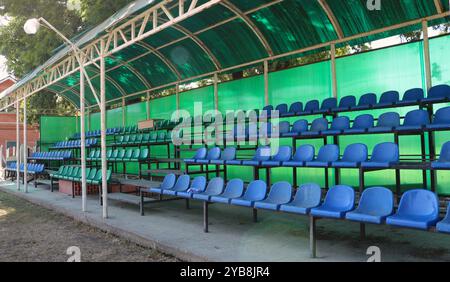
363, 217
444, 226
332, 132
327, 212
242, 202
187, 195
202, 162
251, 163
417, 222
384, 105
234, 162
288, 114
318, 112
440, 165
293, 164
380, 129
438, 126
293, 208
359, 108
267, 205
270, 163
169, 192
221, 200
156, 190
375, 165
406, 103
291, 134
317, 164
189, 161
434, 100
355, 131
217, 162
344, 164
311, 133
409, 128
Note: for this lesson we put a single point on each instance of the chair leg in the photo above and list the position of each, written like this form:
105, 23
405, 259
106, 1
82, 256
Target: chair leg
187, 204
205, 217
362, 231
312, 237
141, 206
255, 215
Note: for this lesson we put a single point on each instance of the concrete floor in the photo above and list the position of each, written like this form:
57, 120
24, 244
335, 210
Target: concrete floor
170, 228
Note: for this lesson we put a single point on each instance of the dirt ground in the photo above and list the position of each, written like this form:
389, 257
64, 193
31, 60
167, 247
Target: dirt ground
32, 233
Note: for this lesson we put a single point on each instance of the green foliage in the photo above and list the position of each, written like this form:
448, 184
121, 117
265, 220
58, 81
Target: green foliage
96, 11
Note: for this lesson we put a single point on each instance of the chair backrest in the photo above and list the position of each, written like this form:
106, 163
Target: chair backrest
229, 154
347, 102
320, 124
169, 181
308, 196
340, 197
329, 103
201, 154
368, 99
256, 191
136, 153
445, 153
262, 154
234, 189
284, 127
144, 154
296, 107
363, 122
389, 120
268, 108
121, 154
417, 117
215, 186
385, 152
355, 153
340, 123
328, 153
442, 116
304, 153
284, 154
390, 97
419, 202
199, 183
377, 201
413, 95
280, 193
92, 174
312, 106
282, 109
439, 91
214, 154
300, 126
182, 183
128, 154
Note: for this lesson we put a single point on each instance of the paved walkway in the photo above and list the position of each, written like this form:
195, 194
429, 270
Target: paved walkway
170, 228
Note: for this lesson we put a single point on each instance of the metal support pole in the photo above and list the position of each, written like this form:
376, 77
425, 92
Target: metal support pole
426, 50
205, 217
266, 82
103, 130
216, 91
124, 117
312, 237
18, 145
83, 144
148, 105
25, 147
89, 120
333, 70
177, 89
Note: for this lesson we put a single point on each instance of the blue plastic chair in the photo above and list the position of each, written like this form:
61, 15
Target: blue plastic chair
418, 209
366, 101
441, 120
444, 225
234, 190
412, 96
340, 199
384, 155
303, 154
311, 107
182, 184
415, 120
327, 105
199, 155
389, 98
280, 194
387, 122
444, 158
327, 155
298, 128
282, 109
362, 124
262, 154
284, 154
228, 154
318, 125
438, 93
294, 109
353, 156
256, 191
346, 103
198, 184
375, 205
214, 188
167, 184
213, 154
338, 126
308, 196
283, 127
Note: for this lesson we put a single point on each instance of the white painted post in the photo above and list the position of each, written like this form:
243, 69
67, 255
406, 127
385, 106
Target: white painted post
177, 90
83, 143
25, 144
1, 161
426, 50
333, 70
216, 91
18, 144
148, 105
103, 129
266, 82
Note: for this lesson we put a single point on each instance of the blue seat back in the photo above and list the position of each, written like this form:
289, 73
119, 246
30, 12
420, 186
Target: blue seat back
347, 102
417, 118
214, 154
385, 152
229, 154
329, 103
168, 182
199, 183
268, 108
280, 193
284, 154
340, 123
300, 126
340, 197
389, 120
312, 106
320, 124
215, 186
304, 153
256, 191
355, 153
308, 196
284, 127
419, 202
296, 107
378, 201
413, 95
282, 109
182, 183
445, 153
201, 154
328, 153
439, 91
262, 154
234, 189
363, 122
390, 97
442, 116
368, 99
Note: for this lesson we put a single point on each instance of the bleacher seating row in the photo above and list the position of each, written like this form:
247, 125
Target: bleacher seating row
74, 144
31, 168
120, 155
52, 156
73, 174
143, 139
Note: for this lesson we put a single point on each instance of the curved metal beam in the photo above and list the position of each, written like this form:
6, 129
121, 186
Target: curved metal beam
439, 7
163, 58
250, 24
332, 18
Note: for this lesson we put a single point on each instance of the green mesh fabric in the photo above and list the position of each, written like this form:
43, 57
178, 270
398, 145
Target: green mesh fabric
55, 129
163, 108
114, 118
136, 113
204, 96
244, 94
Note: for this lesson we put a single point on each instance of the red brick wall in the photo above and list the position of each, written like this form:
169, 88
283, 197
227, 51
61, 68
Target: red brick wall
8, 130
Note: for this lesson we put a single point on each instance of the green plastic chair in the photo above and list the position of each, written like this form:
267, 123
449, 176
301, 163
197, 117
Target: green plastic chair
132, 140
134, 157
144, 155
96, 179
114, 155
72, 174
58, 173
77, 176
162, 137
88, 171
120, 156
68, 173
109, 154
128, 155
119, 141
125, 140
145, 139
139, 139
91, 155
91, 175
